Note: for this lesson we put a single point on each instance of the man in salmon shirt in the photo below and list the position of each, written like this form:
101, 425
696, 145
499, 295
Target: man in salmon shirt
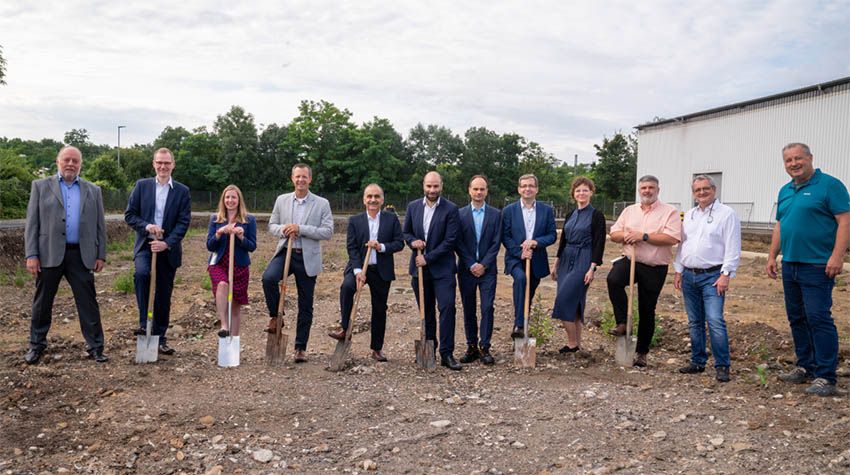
651, 228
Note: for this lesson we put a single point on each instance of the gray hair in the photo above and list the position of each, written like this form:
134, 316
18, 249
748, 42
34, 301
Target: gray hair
648, 178
805, 148
68, 147
704, 178
370, 185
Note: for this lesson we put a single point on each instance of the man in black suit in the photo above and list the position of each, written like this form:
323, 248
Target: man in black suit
477, 248
381, 231
431, 225
159, 210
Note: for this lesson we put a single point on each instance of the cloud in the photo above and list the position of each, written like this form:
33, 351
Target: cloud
562, 74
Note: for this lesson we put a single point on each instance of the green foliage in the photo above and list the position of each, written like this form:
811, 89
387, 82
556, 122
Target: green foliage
540, 324
105, 172
761, 373
15, 179
123, 283
2, 67
18, 278
206, 283
121, 245
608, 322
617, 166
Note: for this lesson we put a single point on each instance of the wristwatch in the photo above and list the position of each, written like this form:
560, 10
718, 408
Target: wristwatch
725, 272
645, 237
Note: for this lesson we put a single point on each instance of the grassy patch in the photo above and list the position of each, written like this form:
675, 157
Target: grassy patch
124, 283
18, 278
121, 245
206, 283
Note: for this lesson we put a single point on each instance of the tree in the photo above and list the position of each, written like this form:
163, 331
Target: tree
105, 172
617, 166
240, 158
2, 67
15, 179
197, 163
171, 138
137, 162
433, 145
381, 158
275, 157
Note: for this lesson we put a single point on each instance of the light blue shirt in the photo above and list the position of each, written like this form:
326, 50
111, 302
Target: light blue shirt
161, 198
478, 221
299, 205
71, 200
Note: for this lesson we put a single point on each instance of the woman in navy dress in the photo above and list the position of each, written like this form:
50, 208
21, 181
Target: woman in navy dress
579, 253
231, 220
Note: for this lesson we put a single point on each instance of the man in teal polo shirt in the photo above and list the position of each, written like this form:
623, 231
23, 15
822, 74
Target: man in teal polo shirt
813, 231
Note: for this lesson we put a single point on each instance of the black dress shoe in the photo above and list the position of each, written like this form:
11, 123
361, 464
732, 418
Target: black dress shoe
140, 332
487, 358
568, 349
164, 349
450, 362
722, 374
33, 355
692, 369
618, 330
471, 355
223, 333
98, 355
379, 356
517, 333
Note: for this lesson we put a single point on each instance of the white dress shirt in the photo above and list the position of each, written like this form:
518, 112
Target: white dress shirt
299, 205
428, 214
710, 237
529, 215
374, 225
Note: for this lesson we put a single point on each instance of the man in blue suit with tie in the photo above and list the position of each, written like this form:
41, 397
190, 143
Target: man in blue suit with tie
477, 249
380, 231
159, 210
431, 225
528, 228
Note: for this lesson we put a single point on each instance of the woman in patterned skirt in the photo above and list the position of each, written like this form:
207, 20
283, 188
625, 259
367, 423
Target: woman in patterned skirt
231, 221
579, 253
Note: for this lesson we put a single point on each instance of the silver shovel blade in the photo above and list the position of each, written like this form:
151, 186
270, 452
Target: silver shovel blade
624, 352
228, 351
147, 348
340, 353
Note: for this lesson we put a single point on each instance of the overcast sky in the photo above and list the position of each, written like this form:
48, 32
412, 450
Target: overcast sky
561, 73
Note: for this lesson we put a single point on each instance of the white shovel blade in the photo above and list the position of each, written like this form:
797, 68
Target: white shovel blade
228, 351
147, 348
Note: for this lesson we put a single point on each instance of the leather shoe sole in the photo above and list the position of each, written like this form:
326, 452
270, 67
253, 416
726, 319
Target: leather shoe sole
166, 350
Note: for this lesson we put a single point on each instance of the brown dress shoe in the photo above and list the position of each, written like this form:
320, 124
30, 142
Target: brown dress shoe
272, 326
640, 360
338, 334
379, 356
300, 356
619, 330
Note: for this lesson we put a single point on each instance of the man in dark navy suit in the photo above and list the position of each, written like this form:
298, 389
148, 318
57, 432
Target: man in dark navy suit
431, 225
477, 249
528, 227
381, 231
159, 210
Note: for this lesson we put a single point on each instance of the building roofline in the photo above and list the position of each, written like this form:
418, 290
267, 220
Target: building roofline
740, 105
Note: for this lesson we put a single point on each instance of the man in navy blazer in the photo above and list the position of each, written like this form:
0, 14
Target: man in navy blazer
159, 210
477, 249
528, 228
431, 225
381, 231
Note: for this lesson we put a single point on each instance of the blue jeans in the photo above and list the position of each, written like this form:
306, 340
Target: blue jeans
705, 306
808, 303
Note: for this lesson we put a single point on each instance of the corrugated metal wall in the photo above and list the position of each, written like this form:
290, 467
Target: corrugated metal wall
745, 146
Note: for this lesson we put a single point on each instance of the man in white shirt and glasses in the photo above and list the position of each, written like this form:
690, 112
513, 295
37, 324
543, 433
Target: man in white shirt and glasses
705, 263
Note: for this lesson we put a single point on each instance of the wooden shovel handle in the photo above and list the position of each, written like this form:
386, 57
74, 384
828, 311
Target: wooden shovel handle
152, 288
527, 295
282, 300
230, 261
357, 296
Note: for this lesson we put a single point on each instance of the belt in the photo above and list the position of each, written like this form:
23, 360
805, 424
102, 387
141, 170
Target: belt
296, 250
69, 245
704, 271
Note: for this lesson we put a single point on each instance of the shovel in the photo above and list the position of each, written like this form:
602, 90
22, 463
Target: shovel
228, 347
147, 345
625, 350
276, 342
525, 348
344, 346
424, 348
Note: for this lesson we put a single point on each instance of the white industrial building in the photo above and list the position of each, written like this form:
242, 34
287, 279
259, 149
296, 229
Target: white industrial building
740, 145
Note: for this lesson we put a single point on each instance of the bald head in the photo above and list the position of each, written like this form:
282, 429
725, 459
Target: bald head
69, 161
432, 185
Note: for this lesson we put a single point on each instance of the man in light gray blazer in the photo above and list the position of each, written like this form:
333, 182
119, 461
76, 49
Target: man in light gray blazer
300, 219
65, 236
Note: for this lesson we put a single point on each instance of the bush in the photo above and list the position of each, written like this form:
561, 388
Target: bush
124, 283
540, 325
608, 322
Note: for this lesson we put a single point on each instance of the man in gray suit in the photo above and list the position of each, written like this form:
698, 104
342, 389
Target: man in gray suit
65, 236
300, 219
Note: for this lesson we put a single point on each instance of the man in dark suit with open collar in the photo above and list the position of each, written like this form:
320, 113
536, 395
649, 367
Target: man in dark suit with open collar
528, 228
431, 225
381, 231
160, 211
65, 235
477, 249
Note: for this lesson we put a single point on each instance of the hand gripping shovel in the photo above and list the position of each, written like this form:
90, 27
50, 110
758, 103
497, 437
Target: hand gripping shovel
424, 348
276, 342
228, 347
525, 348
147, 345
344, 346
625, 351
